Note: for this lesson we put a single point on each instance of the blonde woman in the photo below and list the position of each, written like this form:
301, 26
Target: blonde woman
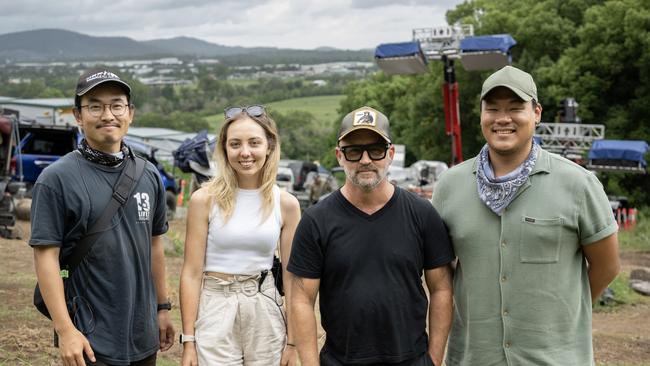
231, 311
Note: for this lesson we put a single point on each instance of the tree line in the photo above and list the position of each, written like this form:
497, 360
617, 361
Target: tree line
595, 51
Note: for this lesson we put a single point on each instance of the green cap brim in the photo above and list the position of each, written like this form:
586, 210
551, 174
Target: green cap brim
525, 97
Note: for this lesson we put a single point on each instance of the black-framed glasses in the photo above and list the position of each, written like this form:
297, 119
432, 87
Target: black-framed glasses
375, 151
96, 109
253, 111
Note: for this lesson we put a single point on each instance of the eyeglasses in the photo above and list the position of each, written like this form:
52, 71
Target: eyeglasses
354, 153
253, 111
96, 109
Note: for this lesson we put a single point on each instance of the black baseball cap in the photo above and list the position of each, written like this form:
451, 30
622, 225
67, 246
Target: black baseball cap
91, 78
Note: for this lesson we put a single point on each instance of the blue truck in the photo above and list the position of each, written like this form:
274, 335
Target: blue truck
40, 146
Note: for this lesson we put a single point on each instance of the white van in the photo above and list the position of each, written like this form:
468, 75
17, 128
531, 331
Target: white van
284, 179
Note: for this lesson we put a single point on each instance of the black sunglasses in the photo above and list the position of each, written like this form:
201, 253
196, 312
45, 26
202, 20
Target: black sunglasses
253, 111
354, 153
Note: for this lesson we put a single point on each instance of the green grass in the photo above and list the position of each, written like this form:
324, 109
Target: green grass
165, 362
638, 238
623, 294
22, 279
322, 107
24, 315
214, 120
179, 241
242, 82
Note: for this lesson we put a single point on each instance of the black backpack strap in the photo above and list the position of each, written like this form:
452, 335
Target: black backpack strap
121, 192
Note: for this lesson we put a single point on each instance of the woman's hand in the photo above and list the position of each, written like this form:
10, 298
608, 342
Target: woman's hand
189, 355
289, 356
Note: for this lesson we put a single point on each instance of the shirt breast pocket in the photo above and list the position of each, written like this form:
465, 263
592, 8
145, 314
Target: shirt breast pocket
540, 240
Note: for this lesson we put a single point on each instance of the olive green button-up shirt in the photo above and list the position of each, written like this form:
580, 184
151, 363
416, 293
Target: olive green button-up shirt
521, 291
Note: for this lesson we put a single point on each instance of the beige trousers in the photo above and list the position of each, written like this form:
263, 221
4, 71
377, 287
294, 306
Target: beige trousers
239, 325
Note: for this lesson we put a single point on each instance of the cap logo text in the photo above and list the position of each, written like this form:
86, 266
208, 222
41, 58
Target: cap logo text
102, 75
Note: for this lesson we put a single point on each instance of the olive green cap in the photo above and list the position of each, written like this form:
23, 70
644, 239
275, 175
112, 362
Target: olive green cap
520, 82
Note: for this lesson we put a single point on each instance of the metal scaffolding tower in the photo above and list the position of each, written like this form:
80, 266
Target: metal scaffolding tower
440, 42
571, 140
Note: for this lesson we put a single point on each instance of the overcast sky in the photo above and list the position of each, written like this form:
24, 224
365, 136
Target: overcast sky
307, 24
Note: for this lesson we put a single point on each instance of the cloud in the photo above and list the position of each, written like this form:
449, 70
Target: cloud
351, 24
363, 4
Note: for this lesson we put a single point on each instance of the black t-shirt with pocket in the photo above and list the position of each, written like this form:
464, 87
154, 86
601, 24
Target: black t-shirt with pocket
372, 301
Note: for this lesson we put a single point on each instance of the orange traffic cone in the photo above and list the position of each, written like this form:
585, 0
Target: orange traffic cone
632, 217
181, 194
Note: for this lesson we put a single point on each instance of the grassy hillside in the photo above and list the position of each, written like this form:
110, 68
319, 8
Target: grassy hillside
324, 108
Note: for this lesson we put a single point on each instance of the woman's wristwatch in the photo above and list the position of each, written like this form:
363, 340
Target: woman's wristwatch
187, 338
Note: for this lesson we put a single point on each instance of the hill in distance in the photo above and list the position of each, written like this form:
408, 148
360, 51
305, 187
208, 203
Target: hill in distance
43, 45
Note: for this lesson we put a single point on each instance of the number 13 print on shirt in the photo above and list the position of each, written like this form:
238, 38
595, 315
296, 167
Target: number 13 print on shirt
142, 199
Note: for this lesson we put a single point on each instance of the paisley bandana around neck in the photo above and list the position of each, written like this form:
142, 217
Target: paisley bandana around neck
498, 193
100, 157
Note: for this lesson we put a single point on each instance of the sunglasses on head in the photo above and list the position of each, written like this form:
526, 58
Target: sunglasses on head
253, 111
354, 153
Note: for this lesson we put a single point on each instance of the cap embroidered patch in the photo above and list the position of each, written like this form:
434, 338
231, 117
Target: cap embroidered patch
366, 118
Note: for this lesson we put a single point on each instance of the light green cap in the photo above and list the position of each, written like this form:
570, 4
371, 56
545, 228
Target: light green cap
520, 82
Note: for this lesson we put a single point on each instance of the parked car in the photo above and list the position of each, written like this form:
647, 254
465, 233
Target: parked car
40, 146
399, 176
284, 179
300, 170
426, 173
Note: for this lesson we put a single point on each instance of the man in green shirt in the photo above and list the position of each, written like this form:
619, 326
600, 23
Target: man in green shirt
535, 239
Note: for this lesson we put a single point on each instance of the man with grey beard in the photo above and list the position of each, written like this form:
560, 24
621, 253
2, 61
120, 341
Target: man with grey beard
365, 248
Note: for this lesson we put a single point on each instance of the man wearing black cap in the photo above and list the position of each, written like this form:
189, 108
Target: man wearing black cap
535, 239
365, 248
113, 309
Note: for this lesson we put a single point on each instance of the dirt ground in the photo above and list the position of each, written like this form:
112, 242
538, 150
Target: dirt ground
621, 337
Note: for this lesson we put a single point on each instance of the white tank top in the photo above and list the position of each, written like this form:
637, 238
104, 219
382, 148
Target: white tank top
244, 245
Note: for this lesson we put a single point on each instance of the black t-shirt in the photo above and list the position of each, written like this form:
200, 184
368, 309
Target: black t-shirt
372, 301
113, 285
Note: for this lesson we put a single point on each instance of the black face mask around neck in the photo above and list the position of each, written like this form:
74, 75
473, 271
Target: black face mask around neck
101, 157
